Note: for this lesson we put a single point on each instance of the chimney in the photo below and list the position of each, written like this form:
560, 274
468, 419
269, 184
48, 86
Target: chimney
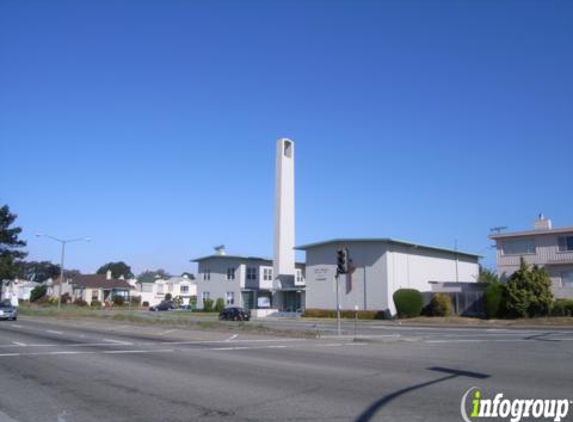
542, 223
108, 275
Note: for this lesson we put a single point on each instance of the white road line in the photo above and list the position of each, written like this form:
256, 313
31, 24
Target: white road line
123, 343
83, 352
167, 332
17, 343
113, 352
54, 332
17, 326
231, 348
233, 337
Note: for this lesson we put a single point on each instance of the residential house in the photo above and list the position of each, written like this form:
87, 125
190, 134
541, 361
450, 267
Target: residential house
182, 287
101, 288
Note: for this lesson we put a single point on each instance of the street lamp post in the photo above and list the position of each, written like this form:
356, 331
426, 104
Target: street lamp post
63, 242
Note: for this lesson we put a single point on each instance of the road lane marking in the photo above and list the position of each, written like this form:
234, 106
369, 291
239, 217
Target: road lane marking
233, 337
116, 352
82, 352
17, 343
54, 332
167, 332
124, 343
17, 326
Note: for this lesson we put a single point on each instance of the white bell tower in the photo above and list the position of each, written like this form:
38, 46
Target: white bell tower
284, 258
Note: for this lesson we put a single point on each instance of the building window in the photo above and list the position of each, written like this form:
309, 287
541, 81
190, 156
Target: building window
95, 295
207, 275
288, 149
567, 279
566, 243
267, 274
206, 295
518, 247
230, 273
230, 298
251, 273
184, 290
298, 276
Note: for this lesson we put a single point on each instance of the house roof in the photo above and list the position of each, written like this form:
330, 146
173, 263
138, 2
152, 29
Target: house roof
539, 232
386, 240
99, 281
240, 257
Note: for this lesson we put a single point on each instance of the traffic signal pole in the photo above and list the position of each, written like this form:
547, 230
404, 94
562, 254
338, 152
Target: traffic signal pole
338, 327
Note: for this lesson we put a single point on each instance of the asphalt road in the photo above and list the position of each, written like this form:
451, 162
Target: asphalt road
94, 371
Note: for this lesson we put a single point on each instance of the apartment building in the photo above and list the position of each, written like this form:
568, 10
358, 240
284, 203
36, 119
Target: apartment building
545, 246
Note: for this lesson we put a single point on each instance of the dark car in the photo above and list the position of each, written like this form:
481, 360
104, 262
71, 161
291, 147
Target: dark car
7, 311
235, 314
163, 306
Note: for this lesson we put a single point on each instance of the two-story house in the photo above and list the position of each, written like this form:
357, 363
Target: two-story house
247, 281
548, 247
154, 292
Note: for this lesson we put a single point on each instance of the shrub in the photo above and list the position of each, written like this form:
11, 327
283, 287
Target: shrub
37, 293
207, 305
349, 314
441, 305
135, 300
95, 304
168, 297
219, 305
145, 304
66, 298
487, 276
562, 307
528, 292
118, 300
492, 299
409, 302
80, 302
178, 301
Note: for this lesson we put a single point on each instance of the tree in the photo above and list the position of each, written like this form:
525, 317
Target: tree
528, 292
487, 276
117, 269
38, 271
188, 275
149, 276
10, 244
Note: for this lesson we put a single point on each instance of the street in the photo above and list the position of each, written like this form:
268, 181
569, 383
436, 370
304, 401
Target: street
68, 371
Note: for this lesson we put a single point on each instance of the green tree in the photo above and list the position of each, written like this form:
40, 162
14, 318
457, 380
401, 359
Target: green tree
38, 270
118, 269
168, 297
487, 276
528, 292
10, 246
149, 276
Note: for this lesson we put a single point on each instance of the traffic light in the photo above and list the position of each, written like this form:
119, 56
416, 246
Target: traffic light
342, 261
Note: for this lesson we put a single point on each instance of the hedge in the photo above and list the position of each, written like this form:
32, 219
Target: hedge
562, 307
492, 299
347, 314
409, 303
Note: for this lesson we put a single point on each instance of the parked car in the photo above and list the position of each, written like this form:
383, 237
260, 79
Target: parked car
235, 314
163, 306
7, 311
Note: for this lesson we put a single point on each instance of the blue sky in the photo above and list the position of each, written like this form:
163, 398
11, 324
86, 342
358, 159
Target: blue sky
150, 126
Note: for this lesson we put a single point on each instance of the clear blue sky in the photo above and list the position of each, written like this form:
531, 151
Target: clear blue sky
150, 125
